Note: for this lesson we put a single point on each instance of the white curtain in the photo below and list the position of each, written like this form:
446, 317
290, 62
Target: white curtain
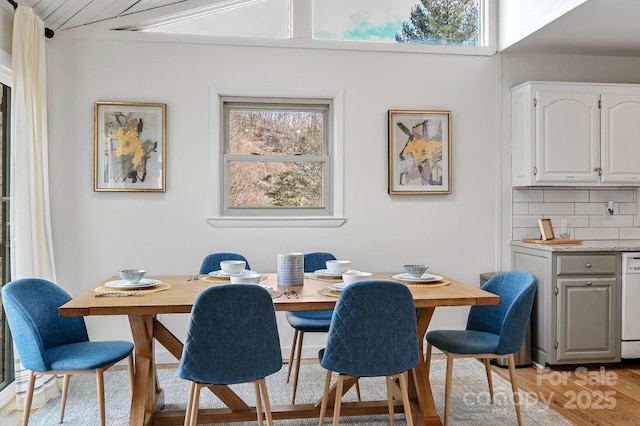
30, 220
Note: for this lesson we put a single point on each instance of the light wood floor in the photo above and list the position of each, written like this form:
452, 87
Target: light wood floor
600, 395
607, 395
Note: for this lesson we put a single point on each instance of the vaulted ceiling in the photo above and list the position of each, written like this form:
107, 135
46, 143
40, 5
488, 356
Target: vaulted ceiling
60, 15
597, 27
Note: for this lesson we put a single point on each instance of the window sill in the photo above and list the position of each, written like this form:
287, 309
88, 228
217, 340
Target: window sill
276, 222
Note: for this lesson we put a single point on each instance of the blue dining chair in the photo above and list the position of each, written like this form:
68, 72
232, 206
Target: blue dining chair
50, 344
373, 333
232, 338
212, 261
495, 331
307, 321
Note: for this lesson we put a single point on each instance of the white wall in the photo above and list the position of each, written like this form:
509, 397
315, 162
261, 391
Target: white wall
96, 234
521, 18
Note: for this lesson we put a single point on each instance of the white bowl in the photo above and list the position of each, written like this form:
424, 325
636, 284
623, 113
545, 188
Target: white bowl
132, 276
353, 276
338, 266
247, 277
232, 266
415, 271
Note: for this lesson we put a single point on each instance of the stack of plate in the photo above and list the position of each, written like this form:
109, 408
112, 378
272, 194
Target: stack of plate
290, 269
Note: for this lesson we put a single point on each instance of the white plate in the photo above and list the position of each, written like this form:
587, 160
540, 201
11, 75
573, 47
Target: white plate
145, 282
338, 286
425, 278
221, 274
327, 273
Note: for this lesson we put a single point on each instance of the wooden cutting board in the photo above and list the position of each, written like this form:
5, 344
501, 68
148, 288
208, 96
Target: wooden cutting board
553, 241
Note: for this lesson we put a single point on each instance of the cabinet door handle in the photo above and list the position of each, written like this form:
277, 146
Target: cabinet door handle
589, 283
588, 265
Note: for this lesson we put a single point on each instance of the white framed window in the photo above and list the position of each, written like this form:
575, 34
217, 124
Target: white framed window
277, 158
424, 26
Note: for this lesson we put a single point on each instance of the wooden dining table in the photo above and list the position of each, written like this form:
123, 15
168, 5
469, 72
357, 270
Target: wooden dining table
147, 396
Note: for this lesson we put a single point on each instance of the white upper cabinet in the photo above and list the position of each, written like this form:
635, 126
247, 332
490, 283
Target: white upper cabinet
620, 137
575, 134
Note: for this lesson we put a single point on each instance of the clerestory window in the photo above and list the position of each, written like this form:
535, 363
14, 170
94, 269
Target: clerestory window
443, 26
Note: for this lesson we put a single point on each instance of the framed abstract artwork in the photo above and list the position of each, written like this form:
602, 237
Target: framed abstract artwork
419, 152
130, 146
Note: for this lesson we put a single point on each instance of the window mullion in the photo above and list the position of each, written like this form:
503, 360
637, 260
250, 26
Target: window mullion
301, 19
278, 158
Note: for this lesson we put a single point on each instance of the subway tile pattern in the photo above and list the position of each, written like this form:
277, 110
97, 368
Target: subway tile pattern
583, 208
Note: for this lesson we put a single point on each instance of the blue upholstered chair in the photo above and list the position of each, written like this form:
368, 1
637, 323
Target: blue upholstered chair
232, 338
307, 321
211, 262
373, 333
50, 344
495, 331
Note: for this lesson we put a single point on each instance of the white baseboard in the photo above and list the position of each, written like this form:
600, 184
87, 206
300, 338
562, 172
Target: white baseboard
7, 394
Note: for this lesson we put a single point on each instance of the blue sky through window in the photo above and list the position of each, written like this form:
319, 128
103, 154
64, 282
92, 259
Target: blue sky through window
360, 19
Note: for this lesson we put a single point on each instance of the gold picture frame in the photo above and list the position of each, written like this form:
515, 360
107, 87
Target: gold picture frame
419, 152
130, 146
546, 229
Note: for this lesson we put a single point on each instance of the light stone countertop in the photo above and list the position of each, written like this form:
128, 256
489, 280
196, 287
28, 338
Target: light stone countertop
587, 245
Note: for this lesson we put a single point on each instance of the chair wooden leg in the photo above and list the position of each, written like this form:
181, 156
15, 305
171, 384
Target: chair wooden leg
404, 388
358, 391
297, 369
187, 414
256, 387
389, 380
514, 386
196, 405
28, 398
338, 404
293, 351
325, 398
65, 392
131, 371
267, 403
487, 367
447, 388
428, 358
100, 390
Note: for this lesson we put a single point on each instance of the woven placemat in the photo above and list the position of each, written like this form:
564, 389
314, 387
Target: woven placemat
432, 284
326, 291
323, 278
217, 280
103, 290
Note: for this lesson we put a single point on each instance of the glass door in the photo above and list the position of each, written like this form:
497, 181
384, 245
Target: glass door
6, 351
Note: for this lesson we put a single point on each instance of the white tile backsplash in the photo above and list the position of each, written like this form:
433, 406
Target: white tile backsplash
620, 195
570, 194
583, 209
597, 233
551, 208
528, 195
520, 208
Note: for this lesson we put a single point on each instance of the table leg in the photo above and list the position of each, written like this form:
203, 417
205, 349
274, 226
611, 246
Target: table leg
145, 393
424, 407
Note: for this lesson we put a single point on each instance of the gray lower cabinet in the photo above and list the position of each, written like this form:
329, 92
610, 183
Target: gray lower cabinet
576, 312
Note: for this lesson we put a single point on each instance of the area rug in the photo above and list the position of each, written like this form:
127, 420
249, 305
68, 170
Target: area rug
470, 403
